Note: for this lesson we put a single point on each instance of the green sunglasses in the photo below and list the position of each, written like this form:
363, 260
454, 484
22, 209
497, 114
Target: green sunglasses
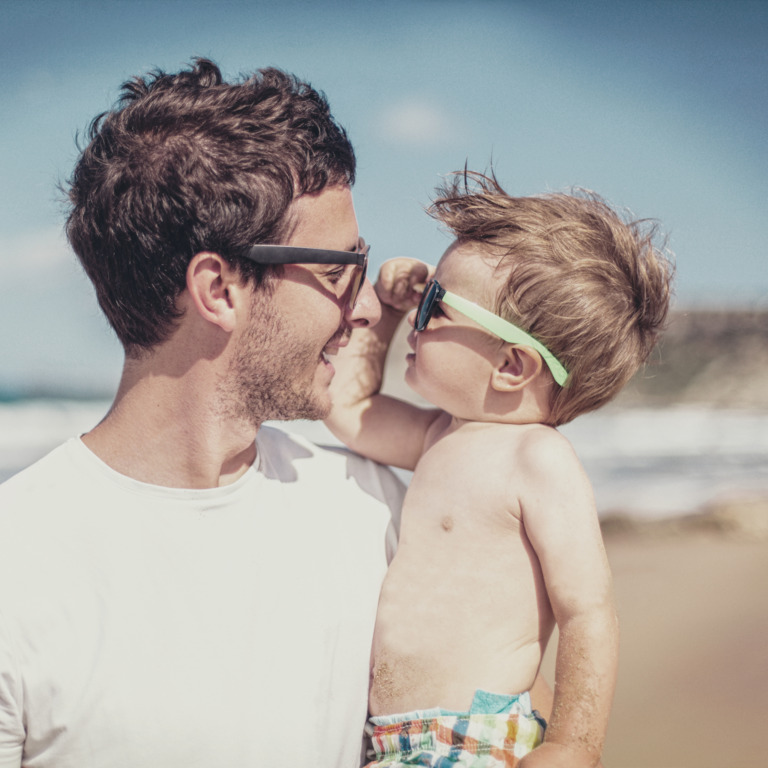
434, 293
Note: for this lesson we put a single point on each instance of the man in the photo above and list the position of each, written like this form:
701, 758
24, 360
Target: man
180, 586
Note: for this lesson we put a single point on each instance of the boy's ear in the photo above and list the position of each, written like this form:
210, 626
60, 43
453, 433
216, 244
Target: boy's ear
213, 288
519, 367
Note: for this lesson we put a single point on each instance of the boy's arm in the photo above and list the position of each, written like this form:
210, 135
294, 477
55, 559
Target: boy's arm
380, 427
561, 522
542, 699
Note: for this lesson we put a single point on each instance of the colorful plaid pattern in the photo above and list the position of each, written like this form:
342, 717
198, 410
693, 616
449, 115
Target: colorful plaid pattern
457, 740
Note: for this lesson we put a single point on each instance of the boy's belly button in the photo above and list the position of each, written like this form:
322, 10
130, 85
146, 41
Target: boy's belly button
447, 523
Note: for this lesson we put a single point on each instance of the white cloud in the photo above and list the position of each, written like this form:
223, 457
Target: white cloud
53, 332
416, 123
30, 254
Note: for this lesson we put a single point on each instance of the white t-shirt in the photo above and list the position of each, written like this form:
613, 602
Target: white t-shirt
147, 626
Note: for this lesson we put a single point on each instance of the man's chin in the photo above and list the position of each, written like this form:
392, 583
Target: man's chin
315, 409
323, 408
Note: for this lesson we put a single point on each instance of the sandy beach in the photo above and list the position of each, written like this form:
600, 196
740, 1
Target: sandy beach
693, 678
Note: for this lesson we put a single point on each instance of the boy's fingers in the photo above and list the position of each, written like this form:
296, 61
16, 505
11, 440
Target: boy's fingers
401, 282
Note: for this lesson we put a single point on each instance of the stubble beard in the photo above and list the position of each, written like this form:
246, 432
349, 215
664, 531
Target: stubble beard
266, 380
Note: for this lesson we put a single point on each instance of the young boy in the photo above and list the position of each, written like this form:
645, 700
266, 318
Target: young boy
541, 310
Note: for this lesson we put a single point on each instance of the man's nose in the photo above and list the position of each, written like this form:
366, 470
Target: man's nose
367, 309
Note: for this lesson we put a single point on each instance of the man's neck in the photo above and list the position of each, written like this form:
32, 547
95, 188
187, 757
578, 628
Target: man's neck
168, 430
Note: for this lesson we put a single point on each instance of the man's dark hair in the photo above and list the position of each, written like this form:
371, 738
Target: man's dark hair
188, 163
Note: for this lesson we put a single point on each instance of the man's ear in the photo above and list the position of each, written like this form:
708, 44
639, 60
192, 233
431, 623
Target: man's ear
518, 367
210, 283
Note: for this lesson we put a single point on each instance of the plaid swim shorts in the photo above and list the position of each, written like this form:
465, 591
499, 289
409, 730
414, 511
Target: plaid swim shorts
457, 739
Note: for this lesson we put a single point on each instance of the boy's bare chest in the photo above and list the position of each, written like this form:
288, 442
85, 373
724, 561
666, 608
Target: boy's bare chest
464, 559
456, 504
465, 476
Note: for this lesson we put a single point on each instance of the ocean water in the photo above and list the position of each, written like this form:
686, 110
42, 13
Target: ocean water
647, 463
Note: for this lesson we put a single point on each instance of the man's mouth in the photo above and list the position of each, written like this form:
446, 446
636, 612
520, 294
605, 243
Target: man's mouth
338, 341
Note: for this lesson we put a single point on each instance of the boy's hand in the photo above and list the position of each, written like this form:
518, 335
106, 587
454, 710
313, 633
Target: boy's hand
550, 755
401, 282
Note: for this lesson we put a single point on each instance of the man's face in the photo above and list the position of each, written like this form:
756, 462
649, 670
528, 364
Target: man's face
281, 369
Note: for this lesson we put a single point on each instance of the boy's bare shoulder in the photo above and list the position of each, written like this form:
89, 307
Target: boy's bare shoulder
530, 450
522, 454
531, 441
540, 451
537, 438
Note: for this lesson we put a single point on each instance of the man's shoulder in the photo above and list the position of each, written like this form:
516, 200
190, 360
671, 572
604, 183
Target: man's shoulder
292, 444
308, 452
287, 455
291, 441
32, 498
44, 474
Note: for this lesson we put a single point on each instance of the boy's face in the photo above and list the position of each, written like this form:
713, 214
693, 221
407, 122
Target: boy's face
453, 357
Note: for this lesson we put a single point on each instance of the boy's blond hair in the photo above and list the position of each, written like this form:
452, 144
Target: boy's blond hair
593, 288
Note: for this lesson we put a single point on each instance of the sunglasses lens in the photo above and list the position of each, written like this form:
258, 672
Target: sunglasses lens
424, 312
357, 282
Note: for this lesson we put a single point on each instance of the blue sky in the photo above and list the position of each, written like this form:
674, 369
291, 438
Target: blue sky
660, 106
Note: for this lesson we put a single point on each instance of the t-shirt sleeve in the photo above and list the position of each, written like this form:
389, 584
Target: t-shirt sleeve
11, 721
